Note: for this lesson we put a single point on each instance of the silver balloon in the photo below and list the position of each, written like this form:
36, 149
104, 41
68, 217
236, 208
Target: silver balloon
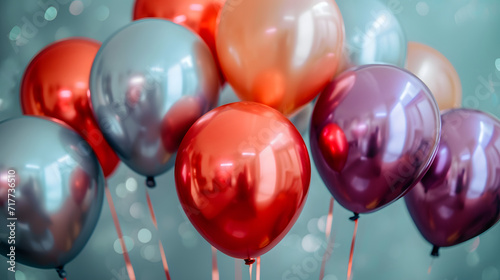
373, 35
150, 82
56, 187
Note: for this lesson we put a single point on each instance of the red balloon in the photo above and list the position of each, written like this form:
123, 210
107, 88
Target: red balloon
56, 84
242, 175
201, 16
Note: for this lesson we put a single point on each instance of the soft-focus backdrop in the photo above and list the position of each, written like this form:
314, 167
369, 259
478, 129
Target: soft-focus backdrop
388, 245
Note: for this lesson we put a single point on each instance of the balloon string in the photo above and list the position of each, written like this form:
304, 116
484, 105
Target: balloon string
329, 219
329, 249
215, 270
128, 264
162, 251
250, 270
430, 266
237, 269
257, 269
349, 268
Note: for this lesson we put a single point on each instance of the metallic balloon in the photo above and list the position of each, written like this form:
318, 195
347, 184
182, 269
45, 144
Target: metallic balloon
150, 81
437, 72
56, 84
242, 175
459, 197
374, 132
373, 35
56, 185
280, 53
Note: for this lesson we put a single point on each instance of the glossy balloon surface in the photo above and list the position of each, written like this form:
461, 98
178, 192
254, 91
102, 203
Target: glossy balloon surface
242, 176
58, 191
374, 131
280, 53
459, 197
150, 82
437, 72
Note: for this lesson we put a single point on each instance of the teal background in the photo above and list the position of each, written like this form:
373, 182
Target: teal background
388, 245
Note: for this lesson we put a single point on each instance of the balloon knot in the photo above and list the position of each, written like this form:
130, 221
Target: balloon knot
435, 251
249, 261
150, 182
355, 217
62, 273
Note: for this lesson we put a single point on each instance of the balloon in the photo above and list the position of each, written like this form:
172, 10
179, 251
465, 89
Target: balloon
373, 35
374, 131
280, 53
55, 85
459, 197
437, 73
57, 186
150, 81
242, 175
201, 16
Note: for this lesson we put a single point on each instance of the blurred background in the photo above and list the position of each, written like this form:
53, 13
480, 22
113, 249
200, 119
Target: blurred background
388, 245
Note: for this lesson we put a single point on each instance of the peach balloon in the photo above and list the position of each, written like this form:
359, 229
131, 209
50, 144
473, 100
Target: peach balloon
437, 72
282, 52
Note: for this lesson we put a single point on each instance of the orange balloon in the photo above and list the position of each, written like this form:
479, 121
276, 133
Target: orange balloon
282, 52
437, 72
56, 84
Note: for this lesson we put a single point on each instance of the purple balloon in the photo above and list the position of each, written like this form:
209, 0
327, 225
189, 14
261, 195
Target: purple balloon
459, 197
374, 133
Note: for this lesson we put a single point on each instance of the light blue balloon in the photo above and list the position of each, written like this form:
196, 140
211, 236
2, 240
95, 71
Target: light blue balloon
56, 189
373, 35
149, 83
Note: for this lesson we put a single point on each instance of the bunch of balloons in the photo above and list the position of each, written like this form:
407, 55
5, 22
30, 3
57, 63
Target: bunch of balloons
147, 97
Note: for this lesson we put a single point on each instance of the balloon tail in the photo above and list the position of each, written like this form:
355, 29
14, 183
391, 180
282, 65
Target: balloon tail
150, 182
355, 217
162, 251
430, 266
128, 264
215, 270
435, 251
349, 267
237, 269
61, 272
330, 241
257, 269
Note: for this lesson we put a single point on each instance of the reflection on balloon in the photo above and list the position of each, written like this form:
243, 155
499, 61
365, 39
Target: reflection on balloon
437, 72
373, 35
147, 95
280, 53
242, 175
55, 85
374, 132
59, 185
459, 197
